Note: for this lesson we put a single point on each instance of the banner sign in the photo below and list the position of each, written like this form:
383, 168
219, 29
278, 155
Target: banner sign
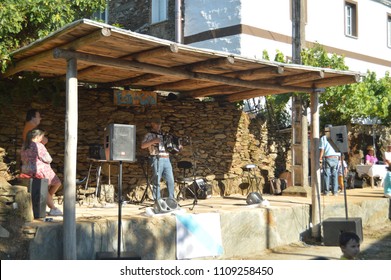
198, 235
134, 98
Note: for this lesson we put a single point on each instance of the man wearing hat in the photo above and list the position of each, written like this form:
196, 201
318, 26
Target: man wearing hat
329, 159
159, 158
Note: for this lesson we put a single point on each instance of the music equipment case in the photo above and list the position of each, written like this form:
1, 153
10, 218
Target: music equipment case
39, 192
203, 189
332, 227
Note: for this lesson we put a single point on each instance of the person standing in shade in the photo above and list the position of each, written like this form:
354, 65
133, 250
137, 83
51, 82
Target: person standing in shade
159, 158
33, 119
329, 160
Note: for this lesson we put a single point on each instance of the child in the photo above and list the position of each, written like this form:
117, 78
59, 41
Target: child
342, 176
371, 158
349, 242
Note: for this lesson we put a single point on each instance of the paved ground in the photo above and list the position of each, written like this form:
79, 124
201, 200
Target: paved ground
376, 246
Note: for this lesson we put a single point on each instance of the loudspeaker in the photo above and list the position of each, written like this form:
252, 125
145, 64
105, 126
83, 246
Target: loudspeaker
39, 193
202, 189
332, 228
164, 205
339, 138
120, 142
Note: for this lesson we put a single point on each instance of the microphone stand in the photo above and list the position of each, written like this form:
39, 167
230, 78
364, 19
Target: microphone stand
194, 191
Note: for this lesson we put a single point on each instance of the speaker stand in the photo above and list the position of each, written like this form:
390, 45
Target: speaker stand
141, 161
113, 255
193, 192
119, 210
193, 189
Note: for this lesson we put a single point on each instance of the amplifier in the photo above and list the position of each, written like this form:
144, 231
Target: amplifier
332, 228
202, 188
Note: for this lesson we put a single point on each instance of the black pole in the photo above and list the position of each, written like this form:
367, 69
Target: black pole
344, 186
119, 209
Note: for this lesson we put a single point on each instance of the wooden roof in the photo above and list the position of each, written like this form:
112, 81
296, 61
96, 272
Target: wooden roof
111, 56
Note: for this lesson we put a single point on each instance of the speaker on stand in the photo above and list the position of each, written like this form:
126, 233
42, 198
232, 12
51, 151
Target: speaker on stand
332, 227
120, 142
120, 145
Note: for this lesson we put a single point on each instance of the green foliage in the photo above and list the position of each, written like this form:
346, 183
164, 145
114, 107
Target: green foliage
24, 21
339, 105
277, 103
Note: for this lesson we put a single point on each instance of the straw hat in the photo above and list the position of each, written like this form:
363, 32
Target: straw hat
370, 148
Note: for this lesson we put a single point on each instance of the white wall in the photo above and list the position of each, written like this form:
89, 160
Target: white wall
202, 15
325, 25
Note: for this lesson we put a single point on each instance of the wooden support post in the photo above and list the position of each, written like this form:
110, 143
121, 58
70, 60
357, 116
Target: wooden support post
70, 160
315, 167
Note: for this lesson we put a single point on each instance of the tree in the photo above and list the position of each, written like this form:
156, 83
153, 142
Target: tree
341, 104
24, 21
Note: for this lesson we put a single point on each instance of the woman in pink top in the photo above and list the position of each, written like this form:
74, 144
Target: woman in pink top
36, 163
370, 158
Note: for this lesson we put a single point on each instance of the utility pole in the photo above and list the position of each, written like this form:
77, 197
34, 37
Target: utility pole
300, 151
299, 111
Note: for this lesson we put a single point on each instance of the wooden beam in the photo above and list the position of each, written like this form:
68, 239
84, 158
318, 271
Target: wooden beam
336, 81
211, 63
180, 85
214, 90
135, 80
261, 73
298, 78
251, 94
157, 52
32, 60
154, 69
196, 67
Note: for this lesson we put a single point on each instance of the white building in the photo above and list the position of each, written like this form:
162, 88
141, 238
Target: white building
359, 30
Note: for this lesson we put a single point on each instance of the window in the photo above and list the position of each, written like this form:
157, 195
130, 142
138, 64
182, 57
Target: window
159, 11
350, 19
389, 31
100, 16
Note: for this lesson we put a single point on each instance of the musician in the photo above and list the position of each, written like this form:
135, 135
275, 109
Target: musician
159, 158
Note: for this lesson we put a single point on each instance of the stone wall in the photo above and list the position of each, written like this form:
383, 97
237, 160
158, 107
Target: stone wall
223, 137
